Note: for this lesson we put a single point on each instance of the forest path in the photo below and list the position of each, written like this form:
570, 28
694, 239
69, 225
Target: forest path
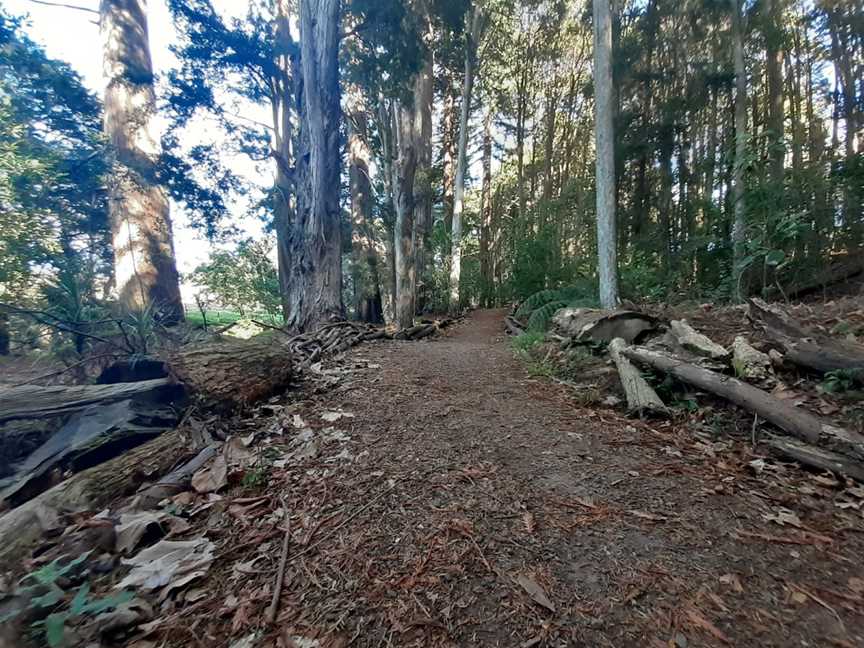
483, 507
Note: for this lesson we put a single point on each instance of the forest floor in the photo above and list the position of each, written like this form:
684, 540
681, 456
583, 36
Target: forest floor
453, 500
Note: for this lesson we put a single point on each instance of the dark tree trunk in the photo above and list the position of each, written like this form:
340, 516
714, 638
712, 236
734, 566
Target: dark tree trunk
314, 278
145, 271
364, 261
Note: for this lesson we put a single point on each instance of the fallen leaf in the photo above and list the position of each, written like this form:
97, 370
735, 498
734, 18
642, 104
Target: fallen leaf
856, 585
298, 422
211, 478
169, 564
535, 592
331, 417
237, 454
134, 526
648, 516
784, 516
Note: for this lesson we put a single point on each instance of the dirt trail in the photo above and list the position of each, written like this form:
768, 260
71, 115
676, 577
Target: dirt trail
507, 515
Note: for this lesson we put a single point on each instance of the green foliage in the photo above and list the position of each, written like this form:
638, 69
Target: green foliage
526, 341
46, 581
541, 317
53, 211
245, 279
842, 380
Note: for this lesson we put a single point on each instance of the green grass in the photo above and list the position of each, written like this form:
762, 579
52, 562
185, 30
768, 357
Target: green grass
225, 317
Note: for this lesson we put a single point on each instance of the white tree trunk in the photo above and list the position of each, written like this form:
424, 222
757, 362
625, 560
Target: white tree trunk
474, 24
607, 262
145, 272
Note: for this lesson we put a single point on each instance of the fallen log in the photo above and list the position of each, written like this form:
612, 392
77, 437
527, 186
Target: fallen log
90, 437
803, 347
840, 269
641, 398
748, 362
818, 458
225, 375
593, 325
794, 421
513, 326
36, 401
89, 490
174, 482
693, 341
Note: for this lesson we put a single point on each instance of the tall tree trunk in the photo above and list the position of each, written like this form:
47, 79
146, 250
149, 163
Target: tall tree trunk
739, 224
607, 265
145, 271
774, 68
314, 290
364, 260
474, 23
404, 170
486, 281
449, 137
386, 129
282, 138
549, 143
422, 179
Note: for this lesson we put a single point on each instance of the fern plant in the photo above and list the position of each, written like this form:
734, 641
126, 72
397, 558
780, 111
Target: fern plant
51, 596
542, 316
540, 307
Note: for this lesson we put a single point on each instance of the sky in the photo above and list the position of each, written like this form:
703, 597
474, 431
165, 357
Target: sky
72, 36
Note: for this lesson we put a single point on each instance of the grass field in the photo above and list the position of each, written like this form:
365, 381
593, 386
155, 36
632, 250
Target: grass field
225, 317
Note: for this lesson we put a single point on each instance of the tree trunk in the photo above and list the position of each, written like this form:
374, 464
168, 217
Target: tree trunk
38, 401
386, 130
423, 194
405, 168
314, 290
605, 142
641, 398
449, 136
145, 272
364, 259
474, 24
90, 490
790, 419
229, 374
807, 348
486, 282
739, 224
774, 68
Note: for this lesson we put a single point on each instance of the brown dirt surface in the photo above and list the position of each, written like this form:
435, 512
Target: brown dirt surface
467, 504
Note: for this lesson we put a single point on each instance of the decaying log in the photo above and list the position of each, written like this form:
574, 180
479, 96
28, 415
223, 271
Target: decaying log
174, 482
748, 362
818, 458
641, 398
89, 490
90, 437
840, 269
803, 347
33, 401
794, 421
513, 326
693, 341
224, 375
593, 325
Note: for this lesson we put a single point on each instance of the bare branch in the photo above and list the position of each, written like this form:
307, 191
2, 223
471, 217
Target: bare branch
65, 6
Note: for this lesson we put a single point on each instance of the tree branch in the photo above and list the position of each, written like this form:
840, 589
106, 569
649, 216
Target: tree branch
65, 6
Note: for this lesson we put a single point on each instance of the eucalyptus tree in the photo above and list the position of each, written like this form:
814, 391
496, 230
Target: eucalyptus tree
145, 271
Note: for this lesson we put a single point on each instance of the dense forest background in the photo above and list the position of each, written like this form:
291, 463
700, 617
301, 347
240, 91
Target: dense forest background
433, 154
